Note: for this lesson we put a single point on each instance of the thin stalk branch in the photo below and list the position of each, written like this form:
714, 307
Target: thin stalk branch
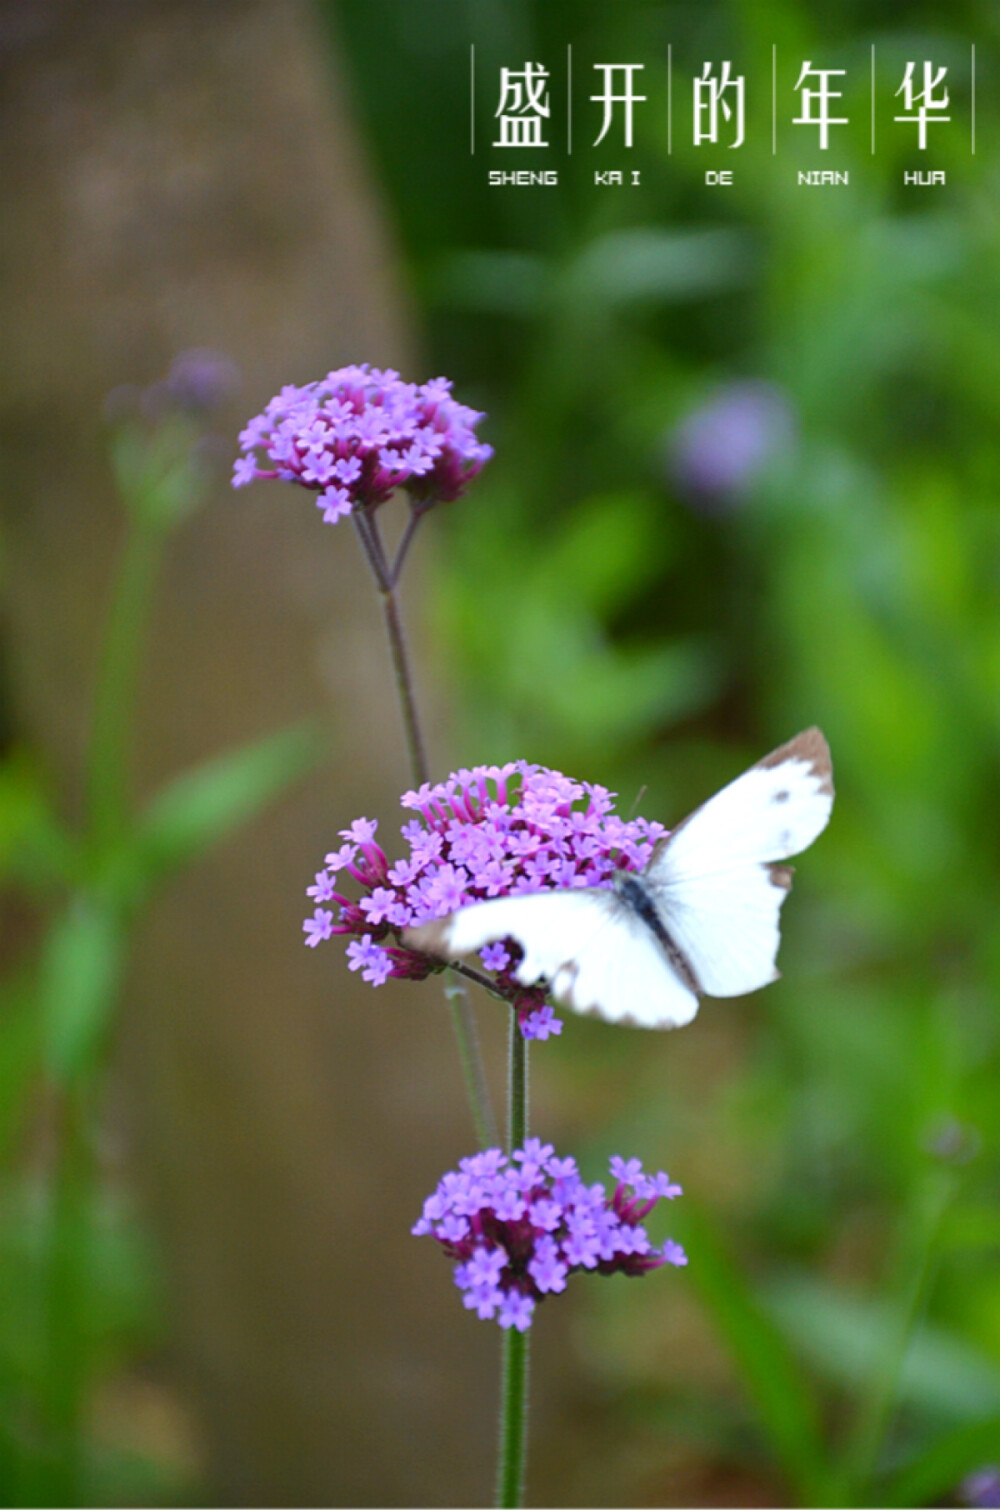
404, 545
477, 979
472, 1064
371, 544
463, 1022
376, 536
404, 687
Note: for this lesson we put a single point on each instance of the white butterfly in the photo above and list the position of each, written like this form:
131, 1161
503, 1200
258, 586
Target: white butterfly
700, 920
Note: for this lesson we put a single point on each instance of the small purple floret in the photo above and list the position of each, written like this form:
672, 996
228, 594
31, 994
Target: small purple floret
541, 1023
517, 1228
319, 926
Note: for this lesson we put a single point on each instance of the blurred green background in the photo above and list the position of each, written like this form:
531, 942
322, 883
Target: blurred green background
746, 477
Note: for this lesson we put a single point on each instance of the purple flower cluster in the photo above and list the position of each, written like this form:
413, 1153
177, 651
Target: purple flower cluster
493, 831
517, 1228
718, 452
981, 1490
360, 433
198, 382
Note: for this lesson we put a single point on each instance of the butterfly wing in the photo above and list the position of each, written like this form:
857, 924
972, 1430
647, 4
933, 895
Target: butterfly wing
715, 880
715, 883
622, 975
597, 956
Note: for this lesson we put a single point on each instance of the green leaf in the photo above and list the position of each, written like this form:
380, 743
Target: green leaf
19, 1054
35, 849
491, 280
843, 1336
644, 264
203, 806
110, 1256
777, 1390
161, 474
80, 971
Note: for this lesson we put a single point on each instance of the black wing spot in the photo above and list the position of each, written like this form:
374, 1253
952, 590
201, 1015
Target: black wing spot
781, 796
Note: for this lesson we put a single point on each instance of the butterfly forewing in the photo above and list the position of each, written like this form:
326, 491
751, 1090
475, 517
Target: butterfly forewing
774, 810
552, 936
726, 925
714, 879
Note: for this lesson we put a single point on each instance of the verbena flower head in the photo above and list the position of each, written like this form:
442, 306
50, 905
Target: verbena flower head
199, 381
494, 831
717, 453
517, 1228
360, 433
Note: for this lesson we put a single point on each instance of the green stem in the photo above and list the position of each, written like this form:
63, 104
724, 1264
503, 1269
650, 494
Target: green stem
117, 681
517, 1086
386, 579
404, 545
64, 1384
515, 1356
472, 1064
915, 1268
370, 538
513, 1419
404, 685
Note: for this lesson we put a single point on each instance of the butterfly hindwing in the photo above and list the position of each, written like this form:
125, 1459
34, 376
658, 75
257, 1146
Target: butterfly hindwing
622, 975
726, 925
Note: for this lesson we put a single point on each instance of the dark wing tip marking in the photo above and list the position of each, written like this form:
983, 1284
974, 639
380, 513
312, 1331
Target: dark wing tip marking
810, 747
431, 938
781, 875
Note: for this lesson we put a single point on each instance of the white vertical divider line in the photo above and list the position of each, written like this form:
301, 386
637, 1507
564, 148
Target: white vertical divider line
569, 99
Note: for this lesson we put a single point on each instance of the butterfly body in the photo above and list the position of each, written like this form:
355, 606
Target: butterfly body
700, 919
635, 894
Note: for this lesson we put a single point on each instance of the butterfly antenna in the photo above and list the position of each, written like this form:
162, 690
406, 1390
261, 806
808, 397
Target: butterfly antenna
638, 798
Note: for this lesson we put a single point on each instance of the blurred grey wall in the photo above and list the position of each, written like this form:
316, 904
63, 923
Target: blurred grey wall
176, 173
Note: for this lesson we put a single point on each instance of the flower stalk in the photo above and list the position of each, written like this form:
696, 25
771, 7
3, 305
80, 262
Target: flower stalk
513, 1419
474, 1074
462, 1019
516, 1224
385, 582
515, 1349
